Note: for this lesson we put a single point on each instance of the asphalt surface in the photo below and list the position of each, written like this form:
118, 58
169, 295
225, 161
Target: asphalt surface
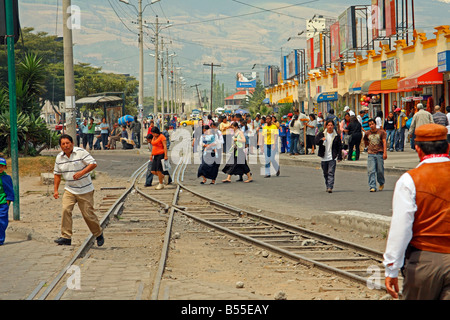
298, 191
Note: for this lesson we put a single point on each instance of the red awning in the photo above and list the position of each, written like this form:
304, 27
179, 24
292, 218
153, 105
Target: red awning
426, 77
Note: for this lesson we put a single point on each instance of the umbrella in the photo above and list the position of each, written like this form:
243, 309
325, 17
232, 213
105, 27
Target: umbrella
266, 101
241, 111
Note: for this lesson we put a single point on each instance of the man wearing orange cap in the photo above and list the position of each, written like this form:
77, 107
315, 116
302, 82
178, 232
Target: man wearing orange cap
419, 237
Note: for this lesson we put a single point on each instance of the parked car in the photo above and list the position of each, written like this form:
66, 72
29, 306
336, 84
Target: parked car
190, 122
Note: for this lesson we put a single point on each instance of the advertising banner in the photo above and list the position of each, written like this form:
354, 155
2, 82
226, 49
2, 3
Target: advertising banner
347, 29
246, 80
335, 42
444, 61
318, 50
291, 65
390, 18
375, 19
310, 52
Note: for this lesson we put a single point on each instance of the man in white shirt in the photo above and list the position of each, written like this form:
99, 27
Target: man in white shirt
448, 127
419, 237
74, 165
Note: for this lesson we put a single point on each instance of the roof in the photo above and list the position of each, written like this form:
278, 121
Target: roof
99, 99
239, 95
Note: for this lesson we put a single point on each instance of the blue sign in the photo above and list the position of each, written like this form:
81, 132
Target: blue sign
327, 96
246, 84
444, 61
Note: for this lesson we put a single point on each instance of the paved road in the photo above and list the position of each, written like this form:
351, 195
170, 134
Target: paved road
298, 191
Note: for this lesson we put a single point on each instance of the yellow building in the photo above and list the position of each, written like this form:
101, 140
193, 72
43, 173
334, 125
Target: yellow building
400, 77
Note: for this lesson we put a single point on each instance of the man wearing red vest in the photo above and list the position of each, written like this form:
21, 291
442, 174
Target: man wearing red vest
419, 237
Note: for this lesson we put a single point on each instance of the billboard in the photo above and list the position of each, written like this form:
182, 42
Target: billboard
291, 65
390, 17
335, 43
318, 50
271, 75
347, 30
246, 79
310, 53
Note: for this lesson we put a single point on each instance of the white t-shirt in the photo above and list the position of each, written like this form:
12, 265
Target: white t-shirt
448, 127
328, 143
378, 122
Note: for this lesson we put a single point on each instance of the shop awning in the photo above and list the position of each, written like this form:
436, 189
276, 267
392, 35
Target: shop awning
326, 96
386, 86
425, 77
371, 86
98, 99
355, 87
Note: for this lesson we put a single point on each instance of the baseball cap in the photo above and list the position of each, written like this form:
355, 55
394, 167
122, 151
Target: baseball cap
397, 110
2, 161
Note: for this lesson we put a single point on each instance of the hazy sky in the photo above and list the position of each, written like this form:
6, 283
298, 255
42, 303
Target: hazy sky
233, 33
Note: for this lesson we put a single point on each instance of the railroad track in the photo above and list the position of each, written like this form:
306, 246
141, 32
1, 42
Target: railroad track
136, 221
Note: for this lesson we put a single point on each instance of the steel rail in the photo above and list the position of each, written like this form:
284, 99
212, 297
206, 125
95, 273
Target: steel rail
301, 259
86, 245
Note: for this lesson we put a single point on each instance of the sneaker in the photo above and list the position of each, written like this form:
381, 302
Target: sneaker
267, 176
63, 241
381, 187
100, 240
159, 186
330, 190
373, 190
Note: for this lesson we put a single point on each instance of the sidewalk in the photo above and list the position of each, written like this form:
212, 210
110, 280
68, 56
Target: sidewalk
396, 162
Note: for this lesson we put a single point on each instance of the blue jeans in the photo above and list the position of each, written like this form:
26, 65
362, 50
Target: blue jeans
3, 221
375, 169
270, 155
390, 137
328, 169
400, 139
284, 145
294, 143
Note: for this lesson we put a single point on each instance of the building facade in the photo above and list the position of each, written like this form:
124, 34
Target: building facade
390, 78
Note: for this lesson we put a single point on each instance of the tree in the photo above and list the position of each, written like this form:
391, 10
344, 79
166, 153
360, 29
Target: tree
254, 103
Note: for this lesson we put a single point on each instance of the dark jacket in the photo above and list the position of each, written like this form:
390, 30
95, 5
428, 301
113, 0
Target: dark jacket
336, 148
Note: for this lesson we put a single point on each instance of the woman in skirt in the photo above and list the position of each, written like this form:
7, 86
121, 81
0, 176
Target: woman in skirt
210, 158
239, 165
159, 154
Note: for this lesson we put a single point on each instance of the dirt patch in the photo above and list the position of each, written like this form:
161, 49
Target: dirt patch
199, 254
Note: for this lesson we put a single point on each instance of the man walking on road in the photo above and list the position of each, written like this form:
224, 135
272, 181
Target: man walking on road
74, 165
270, 135
421, 117
400, 127
375, 141
330, 150
419, 237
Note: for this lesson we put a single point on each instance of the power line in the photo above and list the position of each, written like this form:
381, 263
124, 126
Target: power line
121, 18
244, 15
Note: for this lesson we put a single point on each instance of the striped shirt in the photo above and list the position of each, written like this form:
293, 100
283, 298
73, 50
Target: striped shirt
67, 167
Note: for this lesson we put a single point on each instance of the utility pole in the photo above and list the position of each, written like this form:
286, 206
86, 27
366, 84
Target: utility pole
141, 59
212, 65
162, 81
167, 78
155, 100
9, 15
69, 82
199, 98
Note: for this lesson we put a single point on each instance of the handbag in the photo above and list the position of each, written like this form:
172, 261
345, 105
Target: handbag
165, 165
